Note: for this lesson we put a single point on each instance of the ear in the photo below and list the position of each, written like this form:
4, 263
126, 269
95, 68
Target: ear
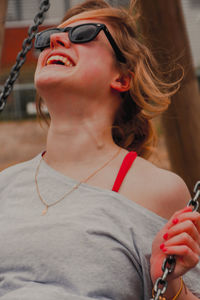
121, 83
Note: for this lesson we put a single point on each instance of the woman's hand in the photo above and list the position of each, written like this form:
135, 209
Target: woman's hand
179, 237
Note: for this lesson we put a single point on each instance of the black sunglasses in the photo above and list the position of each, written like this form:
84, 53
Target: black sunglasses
79, 34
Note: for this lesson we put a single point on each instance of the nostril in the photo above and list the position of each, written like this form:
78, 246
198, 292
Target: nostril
55, 42
60, 43
51, 45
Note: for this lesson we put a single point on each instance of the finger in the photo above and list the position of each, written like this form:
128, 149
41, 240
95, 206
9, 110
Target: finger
183, 210
189, 258
177, 214
193, 216
182, 239
186, 226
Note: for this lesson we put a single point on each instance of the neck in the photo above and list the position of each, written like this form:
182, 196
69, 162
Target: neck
80, 130
80, 134
79, 142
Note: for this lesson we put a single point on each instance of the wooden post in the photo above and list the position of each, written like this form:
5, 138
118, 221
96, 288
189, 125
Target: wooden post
3, 9
163, 24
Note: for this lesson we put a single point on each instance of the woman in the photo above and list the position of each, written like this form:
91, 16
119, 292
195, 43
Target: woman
66, 231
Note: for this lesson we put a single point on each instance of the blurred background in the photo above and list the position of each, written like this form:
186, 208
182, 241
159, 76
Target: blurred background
21, 136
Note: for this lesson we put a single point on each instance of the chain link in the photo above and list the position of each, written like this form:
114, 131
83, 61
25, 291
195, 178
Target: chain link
21, 57
169, 262
194, 201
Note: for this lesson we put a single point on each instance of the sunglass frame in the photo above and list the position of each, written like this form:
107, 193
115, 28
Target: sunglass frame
70, 30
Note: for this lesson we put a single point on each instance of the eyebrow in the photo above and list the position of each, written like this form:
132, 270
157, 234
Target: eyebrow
68, 21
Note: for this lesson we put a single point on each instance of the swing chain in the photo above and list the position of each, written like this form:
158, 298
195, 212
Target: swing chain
160, 286
194, 201
169, 262
21, 57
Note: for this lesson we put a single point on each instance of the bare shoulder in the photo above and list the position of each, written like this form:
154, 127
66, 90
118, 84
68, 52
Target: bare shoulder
159, 190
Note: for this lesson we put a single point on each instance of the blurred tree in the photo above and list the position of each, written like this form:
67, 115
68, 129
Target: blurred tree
3, 9
163, 25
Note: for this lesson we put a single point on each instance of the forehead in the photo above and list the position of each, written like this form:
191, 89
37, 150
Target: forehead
82, 19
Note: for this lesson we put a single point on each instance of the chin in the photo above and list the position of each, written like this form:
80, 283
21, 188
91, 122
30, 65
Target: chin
46, 81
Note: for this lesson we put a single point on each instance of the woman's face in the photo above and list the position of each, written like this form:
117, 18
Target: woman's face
88, 70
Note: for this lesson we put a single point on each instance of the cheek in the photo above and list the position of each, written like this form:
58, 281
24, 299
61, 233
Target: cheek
95, 80
96, 75
40, 75
38, 66
36, 74
42, 59
98, 68
37, 77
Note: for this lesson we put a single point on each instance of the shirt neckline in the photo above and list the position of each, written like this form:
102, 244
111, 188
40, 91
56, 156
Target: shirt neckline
66, 179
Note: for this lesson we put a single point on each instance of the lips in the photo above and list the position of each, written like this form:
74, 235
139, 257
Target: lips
60, 59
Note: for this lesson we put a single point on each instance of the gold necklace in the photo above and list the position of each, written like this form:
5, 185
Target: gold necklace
74, 187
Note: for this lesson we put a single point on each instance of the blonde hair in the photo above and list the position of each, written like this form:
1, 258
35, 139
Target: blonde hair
149, 95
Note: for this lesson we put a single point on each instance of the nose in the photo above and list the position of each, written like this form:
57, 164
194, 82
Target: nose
59, 40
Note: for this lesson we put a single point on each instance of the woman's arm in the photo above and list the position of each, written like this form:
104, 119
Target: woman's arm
180, 237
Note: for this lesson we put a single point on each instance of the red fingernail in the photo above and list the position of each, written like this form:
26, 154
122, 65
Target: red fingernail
164, 249
165, 236
175, 221
162, 246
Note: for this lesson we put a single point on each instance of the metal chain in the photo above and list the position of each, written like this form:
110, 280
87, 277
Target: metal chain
169, 262
21, 57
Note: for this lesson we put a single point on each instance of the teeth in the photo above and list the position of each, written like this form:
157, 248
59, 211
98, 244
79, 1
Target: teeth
63, 59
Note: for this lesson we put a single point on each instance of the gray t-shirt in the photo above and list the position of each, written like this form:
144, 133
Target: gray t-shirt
95, 244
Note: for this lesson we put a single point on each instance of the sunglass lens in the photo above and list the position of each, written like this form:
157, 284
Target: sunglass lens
81, 34
43, 39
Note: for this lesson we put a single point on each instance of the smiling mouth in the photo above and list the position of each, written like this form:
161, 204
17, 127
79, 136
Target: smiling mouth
59, 60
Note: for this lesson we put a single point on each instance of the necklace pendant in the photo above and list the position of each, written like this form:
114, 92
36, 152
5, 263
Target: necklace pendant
45, 211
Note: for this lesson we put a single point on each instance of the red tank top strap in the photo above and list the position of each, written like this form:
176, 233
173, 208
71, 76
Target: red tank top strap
125, 166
